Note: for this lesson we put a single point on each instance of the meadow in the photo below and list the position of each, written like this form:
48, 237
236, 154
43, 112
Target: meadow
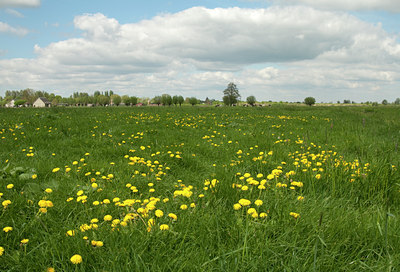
282, 188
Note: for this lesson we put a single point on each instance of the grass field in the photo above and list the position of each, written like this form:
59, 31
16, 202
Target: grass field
200, 189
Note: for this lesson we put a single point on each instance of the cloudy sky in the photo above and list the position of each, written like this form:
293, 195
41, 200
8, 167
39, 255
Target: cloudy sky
280, 50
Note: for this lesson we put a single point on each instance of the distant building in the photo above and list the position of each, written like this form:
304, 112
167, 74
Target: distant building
41, 102
10, 104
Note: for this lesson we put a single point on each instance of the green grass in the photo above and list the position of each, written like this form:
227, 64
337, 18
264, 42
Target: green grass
346, 159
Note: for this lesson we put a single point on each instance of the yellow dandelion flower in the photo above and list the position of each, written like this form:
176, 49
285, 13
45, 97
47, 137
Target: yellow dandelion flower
107, 217
5, 203
251, 211
24, 241
55, 170
184, 207
151, 222
7, 229
173, 216
159, 213
300, 198
1, 251
244, 202
70, 233
164, 227
237, 206
10, 186
258, 202
263, 215
76, 259
48, 190
295, 215
42, 203
34, 176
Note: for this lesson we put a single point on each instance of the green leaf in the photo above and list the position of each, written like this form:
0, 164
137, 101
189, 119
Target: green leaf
31, 189
25, 176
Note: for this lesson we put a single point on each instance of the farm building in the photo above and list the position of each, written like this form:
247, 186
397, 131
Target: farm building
41, 102
10, 104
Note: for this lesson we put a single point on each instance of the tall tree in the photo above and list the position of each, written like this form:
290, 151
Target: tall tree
193, 101
157, 100
309, 101
180, 100
116, 99
166, 99
251, 100
231, 94
175, 100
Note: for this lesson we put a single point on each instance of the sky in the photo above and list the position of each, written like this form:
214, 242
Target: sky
279, 50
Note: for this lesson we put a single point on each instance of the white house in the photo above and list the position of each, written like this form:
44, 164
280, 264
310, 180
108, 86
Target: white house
10, 104
41, 102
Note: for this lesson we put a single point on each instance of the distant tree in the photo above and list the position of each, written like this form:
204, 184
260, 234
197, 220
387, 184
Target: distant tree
397, 101
309, 101
103, 100
28, 95
19, 102
180, 100
134, 100
166, 99
126, 100
384, 102
54, 102
175, 100
193, 101
157, 100
346, 101
116, 99
231, 94
251, 100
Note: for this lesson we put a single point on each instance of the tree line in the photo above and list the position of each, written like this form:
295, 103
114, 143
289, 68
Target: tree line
231, 97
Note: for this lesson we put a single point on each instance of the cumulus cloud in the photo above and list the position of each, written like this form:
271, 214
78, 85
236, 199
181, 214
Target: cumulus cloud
201, 50
19, 31
388, 5
19, 3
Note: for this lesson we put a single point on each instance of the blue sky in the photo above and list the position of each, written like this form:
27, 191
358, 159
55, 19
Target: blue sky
273, 49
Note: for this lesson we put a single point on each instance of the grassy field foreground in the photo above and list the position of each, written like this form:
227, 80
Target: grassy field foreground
200, 189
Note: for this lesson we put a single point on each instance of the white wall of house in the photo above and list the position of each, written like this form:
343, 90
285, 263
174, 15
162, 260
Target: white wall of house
39, 103
10, 104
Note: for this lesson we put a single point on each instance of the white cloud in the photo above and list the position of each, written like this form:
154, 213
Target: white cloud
15, 13
388, 5
19, 3
297, 50
19, 31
